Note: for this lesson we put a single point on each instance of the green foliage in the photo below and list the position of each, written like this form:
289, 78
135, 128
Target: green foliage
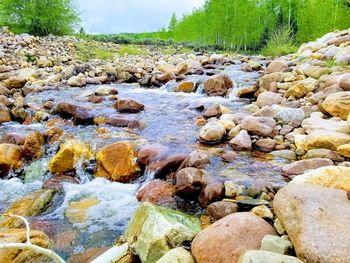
132, 50
281, 43
93, 51
30, 58
39, 17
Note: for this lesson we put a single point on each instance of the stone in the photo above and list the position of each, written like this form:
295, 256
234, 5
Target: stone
105, 91
11, 157
157, 192
218, 85
129, 106
277, 66
344, 82
147, 153
212, 133
15, 82
323, 153
288, 115
284, 154
213, 111
266, 80
302, 88
32, 204
266, 145
276, 244
190, 181
258, 256
299, 167
166, 165
196, 159
5, 115
254, 65
317, 122
80, 114
153, 231
262, 211
317, 227
77, 211
322, 139
247, 92
70, 153
32, 148
229, 156
344, 150
211, 193
268, 99
316, 71
338, 104
186, 86
232, 190
117, 162
261, 126
329, 176
218, 210
19, 235
242, 142
229, 238
178, 255
76, 81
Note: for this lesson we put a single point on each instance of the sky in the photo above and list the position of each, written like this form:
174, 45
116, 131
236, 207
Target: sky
118, 16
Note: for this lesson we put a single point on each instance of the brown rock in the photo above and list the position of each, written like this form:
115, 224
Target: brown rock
268, 98
247, 92
33, 145
81, 115
229, 156
55, 182
221, 209
242, 142
277, 66
10, 158
150, 152
14, 138
15, 83
5, 115
218, 85
227, 239
165, 165
213, 111
344, 82
302, 166
157, 192
129, 106
211, 193
186, 86
338, 104
190, 181
266, 145
119, 121
262, 126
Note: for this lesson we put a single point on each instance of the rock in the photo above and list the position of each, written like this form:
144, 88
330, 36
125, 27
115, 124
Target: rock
15, 83
277, 66
218, 85
268, 99
186, 86
232, 190
165, 77
105, 91
166, 164
284, 154
317, 122
338, 104
299, 167
32, 148
276, 244
178, 255
5, 115
117, 162
258, 256
32, 204
262, 126
211, 193
129, 106
156, 192
154, 230
266, 145
247, 92
221, 209
117, 121
344, 150
190, 181
344, 82
242, 142
316, 227
302, 88
213, 111
262, 211
228, 121
329, 176
290, 115
80, 114
316, 71
10, 158
77, 211
76, 81
70, 152
323, 153
147, 153
55, 182
212, 133
322, 139
227, 239
17, 235
254, 65
196, 159
229, 156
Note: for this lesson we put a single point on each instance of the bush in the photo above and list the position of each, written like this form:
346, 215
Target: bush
281, 43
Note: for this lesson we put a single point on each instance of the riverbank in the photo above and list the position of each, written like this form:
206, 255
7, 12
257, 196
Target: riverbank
248, 153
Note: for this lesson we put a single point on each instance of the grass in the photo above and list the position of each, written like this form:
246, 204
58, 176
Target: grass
92, 51
281, 43
132, 50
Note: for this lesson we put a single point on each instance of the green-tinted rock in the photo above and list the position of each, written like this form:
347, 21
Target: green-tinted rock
178, 255
252, 202
36, 171
155, 230
258, 256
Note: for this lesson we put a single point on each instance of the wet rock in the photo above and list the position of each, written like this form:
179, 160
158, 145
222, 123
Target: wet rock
330, 176
56, 182
179, 255
186, 86
338, 104
218, 85
5, 115
195, 159
247, 92
242, 142
80, 115
105, 91
221, 209
32, 148
166, 164
277, 66
213, 111
157, 192
129, 106
119, 121
227, 239
315, 226
77, 211
32, 204
117, 162
323, 153
190, 181
165, 77
10, 158
229, 156
70, 152
262, 126
15, 83
17, 235
147, 153
266, 145
212, 133
262, 211
14, 138
302, 166
232, 190
95, 99
258, 256
268, 99
154, 230
211, 193
76, 81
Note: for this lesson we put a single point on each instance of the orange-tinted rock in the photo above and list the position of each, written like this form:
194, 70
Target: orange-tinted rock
190, 181
166, 165
218, 85
221, 209
149, 152
10, 158
186, 86
157, 192
33, 145
211, 193
129, 106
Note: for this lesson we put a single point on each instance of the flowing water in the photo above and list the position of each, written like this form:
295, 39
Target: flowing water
167, 119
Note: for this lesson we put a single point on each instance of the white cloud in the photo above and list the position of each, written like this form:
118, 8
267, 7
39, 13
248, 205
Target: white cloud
116, 16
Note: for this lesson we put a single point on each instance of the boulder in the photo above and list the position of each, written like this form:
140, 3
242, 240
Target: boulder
316, 71
218, 85
186, 86
76, 81
344, 150
80, 114
258, 256
190, 181
302, 88
338, 104
229, 238
153, 231
221, 209
316, 220
15, 82
213, 132
344, 82
268, 98
266, 145
266, 81
281, 245
247, 92
277, 66
5, 115
322, 139
147, 153
299, 167
242, 142
70, 153
211, 193
129, 106
261, 126
117, 162
166, 164
32, 148
329, 176
290, 115
317, 122
10, 158
156, 192
178, 255
213, 111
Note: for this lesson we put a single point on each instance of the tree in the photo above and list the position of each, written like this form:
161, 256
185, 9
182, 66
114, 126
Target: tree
39, 17
173, 23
